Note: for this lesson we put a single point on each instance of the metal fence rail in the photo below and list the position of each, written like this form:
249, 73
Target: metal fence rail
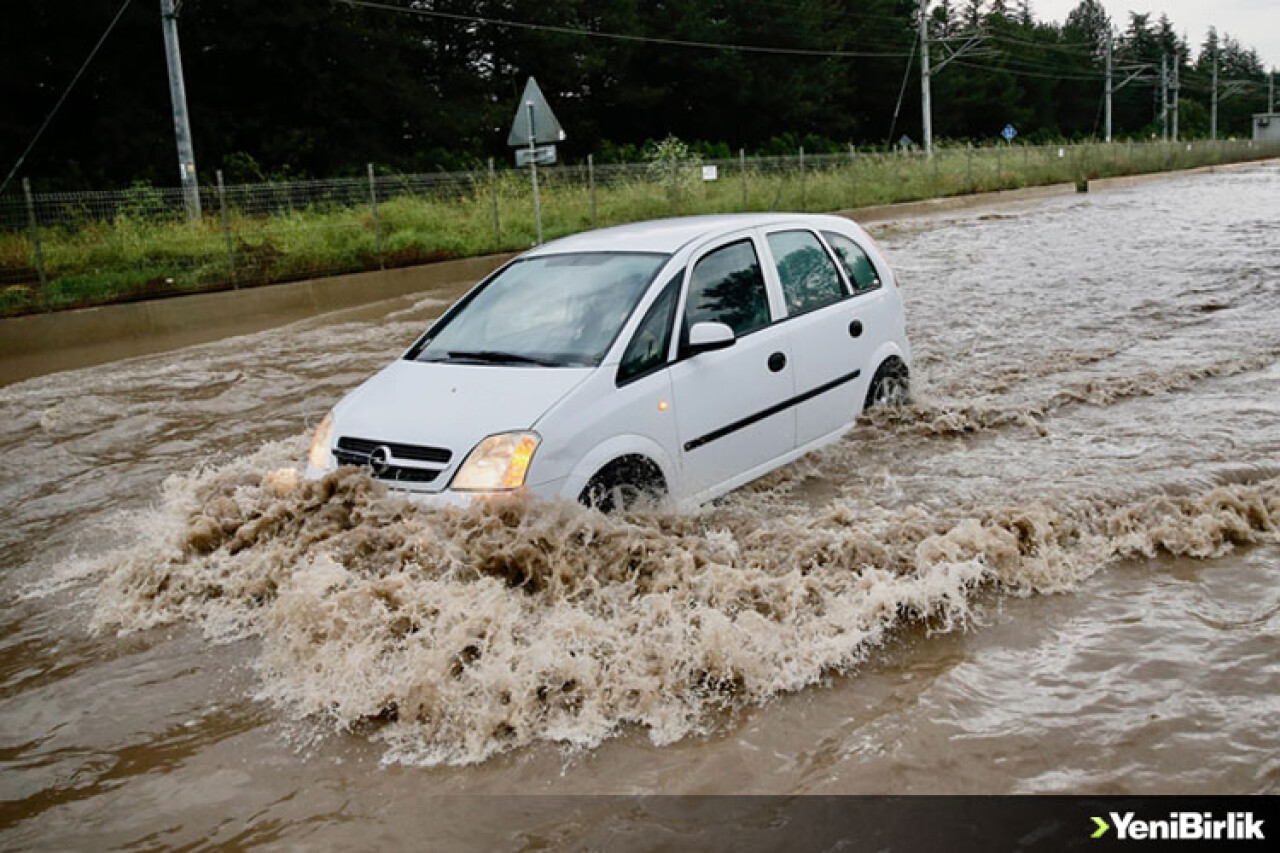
67, 249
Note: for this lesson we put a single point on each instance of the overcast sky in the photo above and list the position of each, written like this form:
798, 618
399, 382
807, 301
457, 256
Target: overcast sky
1254, 23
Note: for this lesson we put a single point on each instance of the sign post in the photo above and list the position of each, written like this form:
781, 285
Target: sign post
533, 170
1008, 133
535, 125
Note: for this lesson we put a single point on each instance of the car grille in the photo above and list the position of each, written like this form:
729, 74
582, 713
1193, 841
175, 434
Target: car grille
356, 451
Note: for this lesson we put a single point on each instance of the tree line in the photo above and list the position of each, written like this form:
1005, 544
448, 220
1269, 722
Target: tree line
299, 88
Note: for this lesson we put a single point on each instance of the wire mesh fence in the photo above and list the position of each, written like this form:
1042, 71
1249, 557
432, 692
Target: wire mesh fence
70, 249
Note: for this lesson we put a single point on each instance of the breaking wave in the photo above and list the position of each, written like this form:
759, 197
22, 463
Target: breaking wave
457, 634
943, 416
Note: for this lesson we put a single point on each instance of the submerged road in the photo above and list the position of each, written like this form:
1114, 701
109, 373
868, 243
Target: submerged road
1055, 572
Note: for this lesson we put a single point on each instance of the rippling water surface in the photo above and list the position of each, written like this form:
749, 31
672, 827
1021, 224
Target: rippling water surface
1055, 572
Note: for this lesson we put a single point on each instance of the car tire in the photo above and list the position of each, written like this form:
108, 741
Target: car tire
624, 484
890, 386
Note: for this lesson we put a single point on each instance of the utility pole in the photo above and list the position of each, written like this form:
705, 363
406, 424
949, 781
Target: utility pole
925, 107
181, 125
1164, 96
1108, 84
1177, 60
1213, 102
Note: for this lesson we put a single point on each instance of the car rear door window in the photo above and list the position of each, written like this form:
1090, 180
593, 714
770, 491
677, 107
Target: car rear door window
862, 273
652, 341
809, 277
728, 287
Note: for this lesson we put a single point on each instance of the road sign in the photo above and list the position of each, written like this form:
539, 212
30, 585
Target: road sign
710, 173
906, 142
1008, 133
533, 106
543, 155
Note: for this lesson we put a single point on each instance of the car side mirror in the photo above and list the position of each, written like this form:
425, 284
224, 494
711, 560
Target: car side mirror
705, 337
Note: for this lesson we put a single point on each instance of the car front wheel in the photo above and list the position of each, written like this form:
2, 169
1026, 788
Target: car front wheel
624, 484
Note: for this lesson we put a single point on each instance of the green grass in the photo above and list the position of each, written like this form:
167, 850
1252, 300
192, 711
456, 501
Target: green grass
139, 256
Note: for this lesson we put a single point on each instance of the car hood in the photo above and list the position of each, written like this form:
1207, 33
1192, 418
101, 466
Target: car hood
452, 406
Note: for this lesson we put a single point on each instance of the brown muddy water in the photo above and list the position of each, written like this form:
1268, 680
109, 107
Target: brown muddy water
1055, 572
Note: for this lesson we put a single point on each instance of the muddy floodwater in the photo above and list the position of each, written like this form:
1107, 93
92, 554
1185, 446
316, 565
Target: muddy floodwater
1058, 570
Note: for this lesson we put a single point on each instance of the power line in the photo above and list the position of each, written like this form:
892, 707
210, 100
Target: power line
1067, 48
579, 31
902, 91
65, 92
1019, 72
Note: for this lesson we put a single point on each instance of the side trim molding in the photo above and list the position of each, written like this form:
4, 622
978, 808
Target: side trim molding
729, 429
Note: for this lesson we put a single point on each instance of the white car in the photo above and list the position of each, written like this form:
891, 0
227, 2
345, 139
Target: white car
677, 359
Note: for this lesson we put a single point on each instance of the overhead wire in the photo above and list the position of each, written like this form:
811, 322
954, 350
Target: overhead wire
627, 37
65, 92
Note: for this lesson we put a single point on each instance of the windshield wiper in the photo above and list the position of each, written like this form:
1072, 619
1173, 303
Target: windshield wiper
496, 357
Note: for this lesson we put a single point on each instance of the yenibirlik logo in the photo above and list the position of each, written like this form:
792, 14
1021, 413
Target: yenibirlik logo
1182, 826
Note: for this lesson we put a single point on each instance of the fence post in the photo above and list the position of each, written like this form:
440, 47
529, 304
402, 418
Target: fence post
673, 189
226, 227
493, 196
591, 181
999, 166
35, 234
853, 174
968, 165
937, 156
742, 172
803, 198
377, 226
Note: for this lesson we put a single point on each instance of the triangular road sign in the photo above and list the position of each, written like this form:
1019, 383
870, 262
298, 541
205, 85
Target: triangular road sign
545, 127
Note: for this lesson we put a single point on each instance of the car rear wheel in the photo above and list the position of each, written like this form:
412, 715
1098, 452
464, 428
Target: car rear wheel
890, 386
624, 484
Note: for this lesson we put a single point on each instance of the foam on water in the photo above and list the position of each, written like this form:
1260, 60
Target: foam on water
457, 634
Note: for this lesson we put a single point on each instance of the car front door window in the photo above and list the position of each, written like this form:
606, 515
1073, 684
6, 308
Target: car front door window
727, 286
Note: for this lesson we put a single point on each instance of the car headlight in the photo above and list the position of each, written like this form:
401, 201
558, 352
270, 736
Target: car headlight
499, 463
320, 458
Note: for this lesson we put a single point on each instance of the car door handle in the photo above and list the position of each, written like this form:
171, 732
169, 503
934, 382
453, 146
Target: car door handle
855, 329
777, 361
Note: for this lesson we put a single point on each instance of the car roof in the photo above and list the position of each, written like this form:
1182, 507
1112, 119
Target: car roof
669, 235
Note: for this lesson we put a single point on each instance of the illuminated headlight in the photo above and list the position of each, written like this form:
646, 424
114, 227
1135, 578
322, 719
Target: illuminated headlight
499, 463
320, 458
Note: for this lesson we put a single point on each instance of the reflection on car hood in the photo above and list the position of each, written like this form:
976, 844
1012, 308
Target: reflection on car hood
452, 406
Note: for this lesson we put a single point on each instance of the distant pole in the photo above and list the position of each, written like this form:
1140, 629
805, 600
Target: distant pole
1109, 89
181, 124
802, 193
925, 107
226, 226
36, 250
1271, 91
1177, 60
377, 224
533, 170
1213, 101
493, 196
742, 172
1164, 97
591, 179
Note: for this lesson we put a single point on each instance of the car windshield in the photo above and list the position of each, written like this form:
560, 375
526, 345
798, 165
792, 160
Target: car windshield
555, 310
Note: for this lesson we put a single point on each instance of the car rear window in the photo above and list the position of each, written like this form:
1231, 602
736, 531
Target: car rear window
862, 273
809, 277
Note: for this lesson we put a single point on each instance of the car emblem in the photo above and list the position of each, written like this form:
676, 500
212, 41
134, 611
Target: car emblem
380, 460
